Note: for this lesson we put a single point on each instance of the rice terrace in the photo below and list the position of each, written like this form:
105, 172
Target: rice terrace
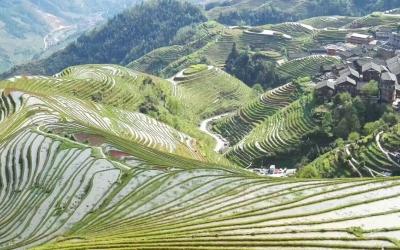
213, 125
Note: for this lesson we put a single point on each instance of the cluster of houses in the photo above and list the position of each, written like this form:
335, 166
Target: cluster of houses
352, 76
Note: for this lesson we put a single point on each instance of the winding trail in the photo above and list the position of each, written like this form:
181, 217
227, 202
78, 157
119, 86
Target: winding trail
203, 127
377, 139
373, 172
175, 84
351, 162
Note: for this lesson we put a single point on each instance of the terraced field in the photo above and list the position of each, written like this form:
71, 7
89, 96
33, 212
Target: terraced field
218, 209
277, 134
109, 84
236, 126
262, 41
210, 91
374, 19
328, 21
71, 180
306, 66
294, 29
155, 61
219, 51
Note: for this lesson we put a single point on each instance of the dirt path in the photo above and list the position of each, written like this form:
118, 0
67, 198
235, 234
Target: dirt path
373, 172
175, 84
203, 127
377, 139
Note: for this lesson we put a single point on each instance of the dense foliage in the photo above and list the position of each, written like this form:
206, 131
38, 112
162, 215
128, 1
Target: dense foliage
123, 38
344, 119
251, 70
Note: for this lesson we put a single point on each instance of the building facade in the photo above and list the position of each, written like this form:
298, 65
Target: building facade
383, 33
346, 84
394, 40
387, 87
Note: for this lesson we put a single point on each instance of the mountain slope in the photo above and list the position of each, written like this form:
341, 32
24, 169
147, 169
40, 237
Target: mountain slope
29, 27
145, 28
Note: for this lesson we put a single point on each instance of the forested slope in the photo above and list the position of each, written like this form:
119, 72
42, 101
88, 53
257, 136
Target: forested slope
122, 39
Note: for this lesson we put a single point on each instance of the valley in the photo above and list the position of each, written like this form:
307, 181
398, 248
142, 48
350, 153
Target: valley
190, 126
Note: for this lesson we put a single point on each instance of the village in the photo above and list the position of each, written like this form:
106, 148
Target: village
364, 57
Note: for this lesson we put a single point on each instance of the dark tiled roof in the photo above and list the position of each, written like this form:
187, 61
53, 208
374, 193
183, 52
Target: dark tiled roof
317, 50
339, 66
349, 71
393, 65
387, 76
347, 53
371, 66
326, 83
345, 79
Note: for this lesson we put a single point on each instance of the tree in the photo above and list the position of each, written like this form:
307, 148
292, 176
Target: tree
371, 88
371, 127
341, 130
258, 88
354, 136
309, 172
327, 123
339, 142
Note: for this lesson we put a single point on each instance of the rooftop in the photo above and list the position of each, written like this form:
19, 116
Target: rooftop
371, 66
393, 65
359, 35
327, 83
387, 76
349, 71
345, 79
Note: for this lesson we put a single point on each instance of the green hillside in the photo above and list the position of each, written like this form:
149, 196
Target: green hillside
158, 59
204, 91
374, 19
236, 126
212, 137
278, 134
30, 27
306, 66
146, 27
371, 156
74, 177
329, 21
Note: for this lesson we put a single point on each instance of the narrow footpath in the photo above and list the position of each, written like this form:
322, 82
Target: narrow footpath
203, 127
